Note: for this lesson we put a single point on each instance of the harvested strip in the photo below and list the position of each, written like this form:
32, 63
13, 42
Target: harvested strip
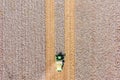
50, 40
70, 40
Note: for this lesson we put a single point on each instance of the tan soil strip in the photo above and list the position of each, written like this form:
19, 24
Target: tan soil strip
50, 39
70, 39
